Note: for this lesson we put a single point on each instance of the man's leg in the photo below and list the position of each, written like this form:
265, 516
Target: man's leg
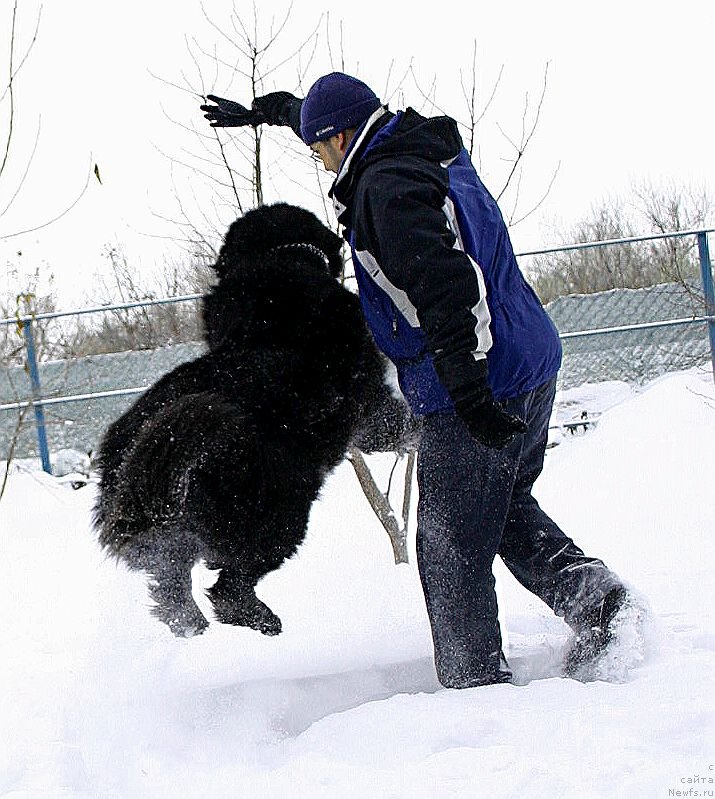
535, 549
465, 491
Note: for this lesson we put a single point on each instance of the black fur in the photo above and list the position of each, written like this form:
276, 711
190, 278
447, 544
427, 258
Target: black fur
223, 457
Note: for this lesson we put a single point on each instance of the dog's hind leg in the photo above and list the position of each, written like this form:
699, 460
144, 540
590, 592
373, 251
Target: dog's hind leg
167, 555
234, 600
170, 588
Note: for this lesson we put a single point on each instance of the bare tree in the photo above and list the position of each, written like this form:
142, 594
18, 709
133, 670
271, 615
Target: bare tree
143, 326
15, 166
11, 187
231, 170
666, 208
380, 500
242, 164
507, 190
241, 168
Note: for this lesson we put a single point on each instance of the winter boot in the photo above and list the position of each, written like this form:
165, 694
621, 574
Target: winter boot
594, 634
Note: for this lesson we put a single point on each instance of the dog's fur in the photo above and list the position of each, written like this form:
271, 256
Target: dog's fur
223, 457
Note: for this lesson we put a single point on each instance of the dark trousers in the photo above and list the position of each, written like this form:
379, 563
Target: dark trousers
475, 503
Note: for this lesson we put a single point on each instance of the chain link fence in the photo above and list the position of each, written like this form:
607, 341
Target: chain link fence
83, 396
641, 339
631, 335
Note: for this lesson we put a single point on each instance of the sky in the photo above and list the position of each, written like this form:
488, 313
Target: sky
100, 700
628, 99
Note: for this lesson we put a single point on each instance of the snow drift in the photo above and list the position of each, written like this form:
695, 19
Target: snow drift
98, 699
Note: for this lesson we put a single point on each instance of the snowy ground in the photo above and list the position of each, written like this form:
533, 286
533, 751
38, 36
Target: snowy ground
97, 699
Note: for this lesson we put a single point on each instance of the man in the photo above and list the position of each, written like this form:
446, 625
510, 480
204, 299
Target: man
476, 357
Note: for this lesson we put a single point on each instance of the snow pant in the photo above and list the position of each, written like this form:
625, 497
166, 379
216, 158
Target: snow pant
475, 503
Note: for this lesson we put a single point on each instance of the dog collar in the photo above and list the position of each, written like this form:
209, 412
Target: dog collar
302, 245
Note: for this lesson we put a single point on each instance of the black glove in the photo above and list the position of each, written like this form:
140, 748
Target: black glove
227, 114
467, 381
279, 108
489, 424
276, 108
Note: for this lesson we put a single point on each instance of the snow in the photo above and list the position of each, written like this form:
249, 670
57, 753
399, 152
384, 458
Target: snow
97, 699
70, 462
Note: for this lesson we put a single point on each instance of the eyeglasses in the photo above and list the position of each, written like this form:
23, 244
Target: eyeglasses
316, 157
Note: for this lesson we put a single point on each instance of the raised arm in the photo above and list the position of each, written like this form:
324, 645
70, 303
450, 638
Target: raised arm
276, 108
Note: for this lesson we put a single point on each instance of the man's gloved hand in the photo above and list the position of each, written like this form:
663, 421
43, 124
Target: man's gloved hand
467, 381
489, 424
228, 114
276, 108
279, 108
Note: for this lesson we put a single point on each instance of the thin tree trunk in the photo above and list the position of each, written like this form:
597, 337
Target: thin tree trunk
381, 506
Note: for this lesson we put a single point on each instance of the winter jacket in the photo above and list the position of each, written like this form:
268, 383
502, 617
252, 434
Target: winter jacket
439, 283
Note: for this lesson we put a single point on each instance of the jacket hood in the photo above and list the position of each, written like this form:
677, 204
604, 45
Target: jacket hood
411, 134
404, 134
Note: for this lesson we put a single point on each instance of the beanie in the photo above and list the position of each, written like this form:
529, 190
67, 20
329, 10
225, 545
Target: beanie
335, 102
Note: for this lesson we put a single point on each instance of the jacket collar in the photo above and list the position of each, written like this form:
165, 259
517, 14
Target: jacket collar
341, 184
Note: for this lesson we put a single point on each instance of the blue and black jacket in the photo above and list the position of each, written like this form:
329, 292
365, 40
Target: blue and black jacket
439, 283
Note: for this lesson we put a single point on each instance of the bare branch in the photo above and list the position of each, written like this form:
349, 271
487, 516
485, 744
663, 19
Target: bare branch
222, 150
177, 162
25, 173
273, 37
381, 506
388, 96
428, 98
470, 97
328, 40
218, 30
534, 208
10, 89
407, 493
525, 137
14, 73
59, 216
312, 37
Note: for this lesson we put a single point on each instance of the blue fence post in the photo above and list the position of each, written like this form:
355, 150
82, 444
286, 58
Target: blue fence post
708, 291
36, 395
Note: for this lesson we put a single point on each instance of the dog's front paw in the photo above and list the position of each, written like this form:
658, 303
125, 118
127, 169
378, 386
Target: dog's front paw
262, 618
254, 614
269, 623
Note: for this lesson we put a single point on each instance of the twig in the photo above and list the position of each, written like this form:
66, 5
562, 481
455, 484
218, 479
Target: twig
11, 90
525, 139
59, 216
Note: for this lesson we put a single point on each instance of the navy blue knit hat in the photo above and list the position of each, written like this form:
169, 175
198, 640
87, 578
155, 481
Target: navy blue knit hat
335, 102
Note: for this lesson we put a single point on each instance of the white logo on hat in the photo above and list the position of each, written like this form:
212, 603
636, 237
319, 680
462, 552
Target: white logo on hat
324, 130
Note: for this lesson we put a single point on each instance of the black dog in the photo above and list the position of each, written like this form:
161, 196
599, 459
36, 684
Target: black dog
223, 457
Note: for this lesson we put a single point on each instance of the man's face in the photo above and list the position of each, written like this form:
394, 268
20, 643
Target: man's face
330, 152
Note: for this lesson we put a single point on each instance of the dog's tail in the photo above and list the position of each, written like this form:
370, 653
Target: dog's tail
198, 454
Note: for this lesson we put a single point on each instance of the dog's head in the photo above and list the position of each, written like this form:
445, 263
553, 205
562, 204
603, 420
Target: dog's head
273, 228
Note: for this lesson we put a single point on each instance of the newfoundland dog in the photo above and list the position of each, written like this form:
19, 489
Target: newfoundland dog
222, 458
